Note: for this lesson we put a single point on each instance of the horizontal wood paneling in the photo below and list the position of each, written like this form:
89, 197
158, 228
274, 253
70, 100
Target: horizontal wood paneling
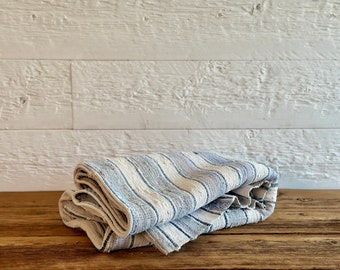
199, 75
160, 30
44, 160
206, 94
35, 95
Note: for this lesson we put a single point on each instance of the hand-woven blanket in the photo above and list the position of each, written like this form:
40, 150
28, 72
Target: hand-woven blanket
165, 199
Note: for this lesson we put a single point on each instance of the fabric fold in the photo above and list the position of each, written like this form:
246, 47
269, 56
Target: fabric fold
166, 199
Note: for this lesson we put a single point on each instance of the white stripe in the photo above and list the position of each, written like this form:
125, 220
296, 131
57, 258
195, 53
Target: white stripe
161, 204
193, 187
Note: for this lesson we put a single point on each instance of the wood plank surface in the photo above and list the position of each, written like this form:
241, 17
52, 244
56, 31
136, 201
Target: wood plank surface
35, 95
44, 160
303, 233
169, 30
205, 94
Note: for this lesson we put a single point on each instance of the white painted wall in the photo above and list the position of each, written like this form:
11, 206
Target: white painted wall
257, 79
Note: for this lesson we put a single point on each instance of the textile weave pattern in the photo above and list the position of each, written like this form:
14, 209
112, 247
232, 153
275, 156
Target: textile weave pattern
166, 199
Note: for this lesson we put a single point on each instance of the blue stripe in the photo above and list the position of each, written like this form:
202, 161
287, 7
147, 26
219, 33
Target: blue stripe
260, 200
226, 220
181, 172
238, 195
128, 184
181, 230
271, 176
210, 211
246, 215
104, 178
132, 162
105, 242
132, 241
101, 226
243, 168
266, 201
214, 162
213, 172
170, 181
198, 220
274, 185
167, 237
255, 172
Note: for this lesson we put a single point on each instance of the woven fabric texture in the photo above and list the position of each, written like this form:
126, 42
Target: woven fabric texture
166, 199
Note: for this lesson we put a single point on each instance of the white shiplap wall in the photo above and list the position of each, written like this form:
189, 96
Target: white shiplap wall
83, 79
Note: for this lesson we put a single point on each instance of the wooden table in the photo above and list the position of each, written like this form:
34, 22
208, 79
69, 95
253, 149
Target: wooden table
303, 233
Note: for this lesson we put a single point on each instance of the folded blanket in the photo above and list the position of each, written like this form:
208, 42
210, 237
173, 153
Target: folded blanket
166, 199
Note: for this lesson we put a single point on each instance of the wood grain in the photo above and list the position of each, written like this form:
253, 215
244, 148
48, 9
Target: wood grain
205, 94
35, 95
44, 160
169, 30
32, 236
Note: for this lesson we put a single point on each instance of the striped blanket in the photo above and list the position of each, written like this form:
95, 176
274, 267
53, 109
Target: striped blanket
165, 199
